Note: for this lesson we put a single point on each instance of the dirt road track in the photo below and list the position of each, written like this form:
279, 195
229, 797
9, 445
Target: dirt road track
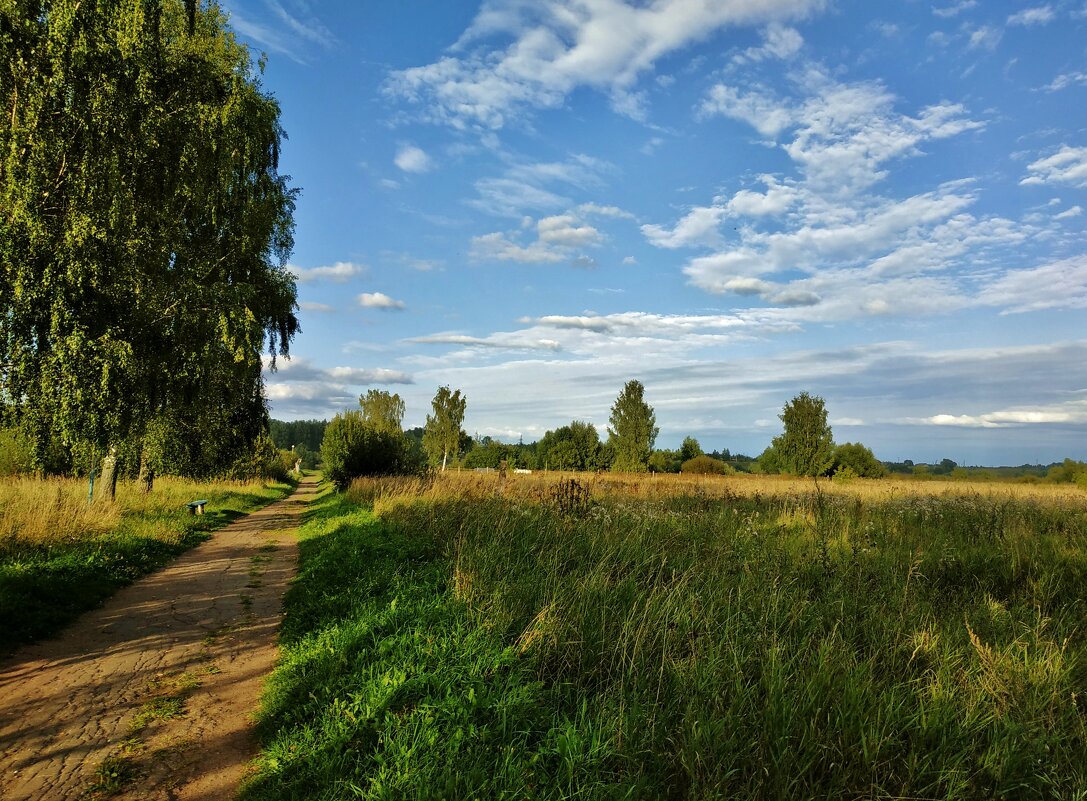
163, 678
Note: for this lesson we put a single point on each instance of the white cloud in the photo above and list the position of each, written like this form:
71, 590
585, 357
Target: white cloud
361, 375
986, 37
1069, 213
1067, 166
564, 230
1071, 413
605, 211
410, 158
697, 228
1066, 79
556, 46
1039, 15
843, 133
379, 300
323, 308
1060, 285
340, 272
498, 341
558, 238
779, 41
954, 9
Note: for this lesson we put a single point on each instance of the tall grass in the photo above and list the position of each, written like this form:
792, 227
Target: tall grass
684, 643
60, 555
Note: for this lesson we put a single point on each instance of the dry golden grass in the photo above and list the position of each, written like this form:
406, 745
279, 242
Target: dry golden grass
540, 485
50, 510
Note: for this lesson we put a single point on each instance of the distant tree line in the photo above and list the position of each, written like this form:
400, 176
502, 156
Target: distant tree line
370, 441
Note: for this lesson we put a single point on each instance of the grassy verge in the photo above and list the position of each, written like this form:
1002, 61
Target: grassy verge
60, 556
455, 641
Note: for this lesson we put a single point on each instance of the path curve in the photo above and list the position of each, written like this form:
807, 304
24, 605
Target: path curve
161, 682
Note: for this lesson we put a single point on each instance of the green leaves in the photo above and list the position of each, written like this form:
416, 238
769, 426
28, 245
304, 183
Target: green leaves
633, 429
145, 225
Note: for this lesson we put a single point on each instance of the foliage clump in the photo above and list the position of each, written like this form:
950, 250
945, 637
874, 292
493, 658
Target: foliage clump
353, 448
706, 465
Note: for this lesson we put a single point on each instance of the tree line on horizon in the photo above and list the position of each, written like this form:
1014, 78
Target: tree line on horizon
370, 441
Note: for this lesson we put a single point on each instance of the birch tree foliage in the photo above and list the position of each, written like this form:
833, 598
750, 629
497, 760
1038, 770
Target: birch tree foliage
442, 434
633, 429
144, 226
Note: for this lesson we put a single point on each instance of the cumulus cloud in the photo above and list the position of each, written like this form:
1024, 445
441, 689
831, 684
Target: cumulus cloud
340, 272
1067, 166
379, 300
556, 46
558, 238
410, 158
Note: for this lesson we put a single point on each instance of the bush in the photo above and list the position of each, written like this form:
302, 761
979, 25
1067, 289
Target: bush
16, 453
352, 449
264, 462
858, 459
706, 465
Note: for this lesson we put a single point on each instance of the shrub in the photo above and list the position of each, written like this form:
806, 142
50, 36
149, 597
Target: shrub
265, 461
352, 449
16, 454
706, 465
859, 459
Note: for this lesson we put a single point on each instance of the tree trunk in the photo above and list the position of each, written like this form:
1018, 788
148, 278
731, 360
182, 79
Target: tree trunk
147, 473
445, 455
109, 477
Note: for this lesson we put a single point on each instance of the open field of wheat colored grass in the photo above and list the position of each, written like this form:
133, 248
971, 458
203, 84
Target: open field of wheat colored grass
648, 638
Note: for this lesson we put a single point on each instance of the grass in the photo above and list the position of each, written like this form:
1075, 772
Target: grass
682, 639
60, 556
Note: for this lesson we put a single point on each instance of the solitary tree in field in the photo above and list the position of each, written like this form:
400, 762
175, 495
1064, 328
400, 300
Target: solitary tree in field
382, 411
442, 434
144, 229
806, 447
633, 430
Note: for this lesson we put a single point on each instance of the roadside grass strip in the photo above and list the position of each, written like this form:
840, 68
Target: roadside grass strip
465, 646
47, 579
388, 689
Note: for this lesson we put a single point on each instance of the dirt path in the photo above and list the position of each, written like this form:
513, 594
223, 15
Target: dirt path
157, 686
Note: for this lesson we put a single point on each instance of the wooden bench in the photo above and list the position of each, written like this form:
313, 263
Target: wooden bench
196, 507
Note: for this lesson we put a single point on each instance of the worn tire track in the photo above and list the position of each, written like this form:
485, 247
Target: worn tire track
201, 630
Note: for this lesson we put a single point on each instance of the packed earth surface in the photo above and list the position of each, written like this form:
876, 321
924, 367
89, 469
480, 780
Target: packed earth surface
151, 696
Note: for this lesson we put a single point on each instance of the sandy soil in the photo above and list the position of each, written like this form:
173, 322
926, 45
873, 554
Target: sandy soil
162, 681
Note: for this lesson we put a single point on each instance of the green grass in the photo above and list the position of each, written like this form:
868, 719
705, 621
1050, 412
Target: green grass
46, 582
773, 647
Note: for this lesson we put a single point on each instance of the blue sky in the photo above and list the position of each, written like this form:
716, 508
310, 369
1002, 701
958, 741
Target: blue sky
730, 200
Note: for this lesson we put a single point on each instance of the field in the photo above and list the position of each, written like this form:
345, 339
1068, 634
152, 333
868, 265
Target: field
663, 637
60, 555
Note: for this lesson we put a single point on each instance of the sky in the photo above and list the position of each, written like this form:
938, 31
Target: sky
732, 201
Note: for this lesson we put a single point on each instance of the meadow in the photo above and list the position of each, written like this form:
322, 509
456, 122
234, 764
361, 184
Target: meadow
727, 637
60, 555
